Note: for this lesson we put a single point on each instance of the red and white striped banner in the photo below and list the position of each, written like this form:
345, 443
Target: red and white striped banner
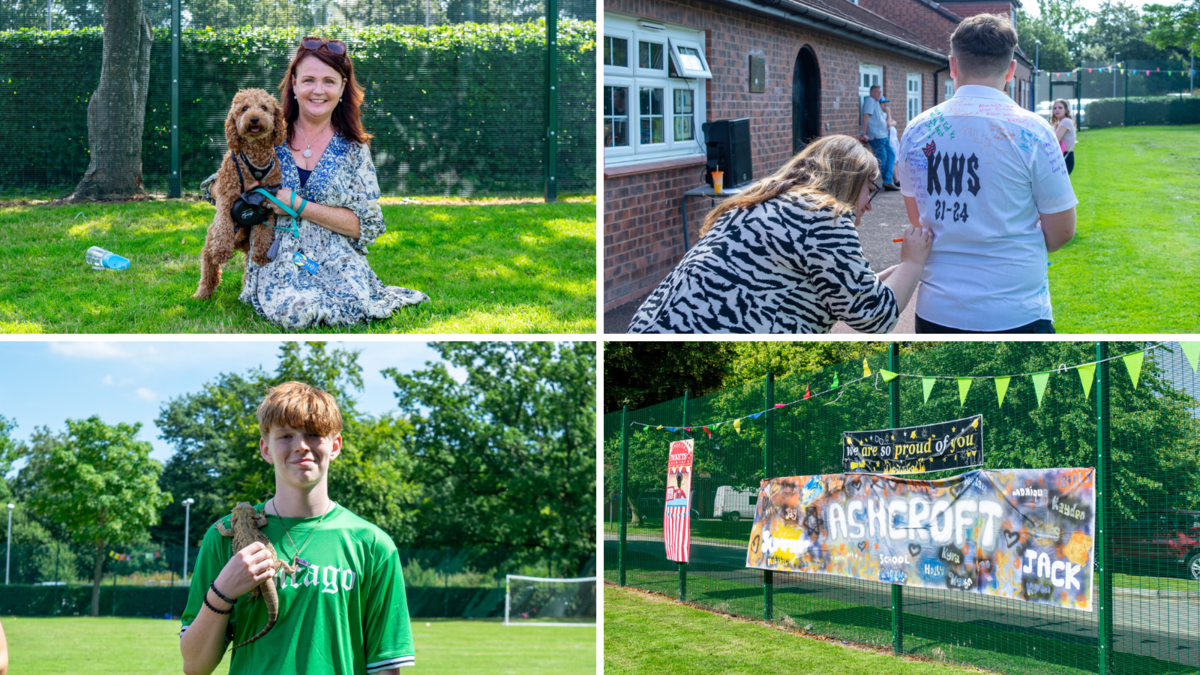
677, 513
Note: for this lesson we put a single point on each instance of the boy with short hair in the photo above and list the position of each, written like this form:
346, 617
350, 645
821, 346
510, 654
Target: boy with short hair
343, 611
988, 178
873, 130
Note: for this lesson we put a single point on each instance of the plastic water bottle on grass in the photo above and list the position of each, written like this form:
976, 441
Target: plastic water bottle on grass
101, 259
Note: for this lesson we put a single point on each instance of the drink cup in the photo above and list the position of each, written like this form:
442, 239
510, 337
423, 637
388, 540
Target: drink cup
718, 180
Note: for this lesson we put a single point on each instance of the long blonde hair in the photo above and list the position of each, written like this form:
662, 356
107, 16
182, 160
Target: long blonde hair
1066, 106
830, 172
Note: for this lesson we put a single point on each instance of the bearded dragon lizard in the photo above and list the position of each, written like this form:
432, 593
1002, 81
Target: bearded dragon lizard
246, 522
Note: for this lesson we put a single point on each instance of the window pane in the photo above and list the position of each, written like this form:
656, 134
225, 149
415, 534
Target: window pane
616, 53
651, 101
689, 58
616, 117
683, 129
650, 55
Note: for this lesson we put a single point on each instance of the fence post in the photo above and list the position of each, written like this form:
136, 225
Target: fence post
768, 575
1125, 72
551, 100
1079, 86
621, 496
174, 187
1104, 611
894, 422
687, 395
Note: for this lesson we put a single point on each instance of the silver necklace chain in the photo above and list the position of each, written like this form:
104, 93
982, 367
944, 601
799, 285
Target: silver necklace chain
308, 146
286, 533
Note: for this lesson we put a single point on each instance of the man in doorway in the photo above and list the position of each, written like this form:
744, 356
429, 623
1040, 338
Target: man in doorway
873, 130
988, 178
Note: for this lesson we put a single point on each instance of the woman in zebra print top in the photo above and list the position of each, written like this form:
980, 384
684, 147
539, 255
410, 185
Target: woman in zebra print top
784, 256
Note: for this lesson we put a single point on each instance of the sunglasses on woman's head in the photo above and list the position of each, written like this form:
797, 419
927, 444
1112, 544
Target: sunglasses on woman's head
312, 44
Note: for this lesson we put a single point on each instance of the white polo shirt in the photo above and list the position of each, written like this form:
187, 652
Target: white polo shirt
981, 168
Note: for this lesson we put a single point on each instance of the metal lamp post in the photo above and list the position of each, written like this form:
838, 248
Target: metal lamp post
8, 553
1115, 62
1037, 69
187, 521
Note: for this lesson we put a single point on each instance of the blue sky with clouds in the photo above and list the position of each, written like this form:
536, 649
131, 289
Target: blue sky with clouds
46, 383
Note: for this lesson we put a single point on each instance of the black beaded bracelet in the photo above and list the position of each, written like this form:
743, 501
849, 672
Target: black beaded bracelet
218, 611
213, 586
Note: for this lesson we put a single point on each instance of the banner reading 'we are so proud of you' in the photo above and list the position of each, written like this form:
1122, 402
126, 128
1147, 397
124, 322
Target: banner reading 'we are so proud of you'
1024, 534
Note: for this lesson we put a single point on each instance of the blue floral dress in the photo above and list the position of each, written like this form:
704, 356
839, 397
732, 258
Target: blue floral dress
343, 290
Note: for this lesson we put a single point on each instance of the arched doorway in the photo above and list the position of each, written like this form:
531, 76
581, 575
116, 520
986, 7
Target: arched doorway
806, 99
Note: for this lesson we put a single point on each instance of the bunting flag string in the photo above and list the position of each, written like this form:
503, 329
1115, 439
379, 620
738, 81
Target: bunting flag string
122, 557
1111, 69
1087, 373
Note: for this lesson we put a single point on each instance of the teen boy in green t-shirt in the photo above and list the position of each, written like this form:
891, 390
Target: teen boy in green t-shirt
344, 609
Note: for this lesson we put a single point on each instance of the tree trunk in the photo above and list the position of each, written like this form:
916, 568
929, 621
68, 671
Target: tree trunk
635, 511
97, 581
117, 109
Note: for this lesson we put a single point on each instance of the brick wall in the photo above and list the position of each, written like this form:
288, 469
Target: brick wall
916, 17
643, 231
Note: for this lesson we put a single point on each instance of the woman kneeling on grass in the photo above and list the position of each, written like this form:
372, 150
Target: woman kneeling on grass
327, 160
784, 256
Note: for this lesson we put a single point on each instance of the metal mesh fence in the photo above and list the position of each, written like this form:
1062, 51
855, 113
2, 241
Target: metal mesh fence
456, 93
1147, 553
1125, 93
53, 580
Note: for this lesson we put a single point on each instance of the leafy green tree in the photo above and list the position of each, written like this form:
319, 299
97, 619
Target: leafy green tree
638, 374
1119, 27
505, 460
1053, 54
1068, 18
102, 486
1175, 25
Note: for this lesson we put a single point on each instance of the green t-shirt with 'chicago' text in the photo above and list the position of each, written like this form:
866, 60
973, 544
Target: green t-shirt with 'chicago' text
344, 614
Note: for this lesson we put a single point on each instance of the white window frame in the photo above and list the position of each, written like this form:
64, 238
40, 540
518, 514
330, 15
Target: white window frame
630, 52
868, 69
948, 89
704, 72
630, 116
912, 99
637, 78
651, 38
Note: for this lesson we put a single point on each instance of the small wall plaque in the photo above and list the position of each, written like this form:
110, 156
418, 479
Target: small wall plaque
758, 74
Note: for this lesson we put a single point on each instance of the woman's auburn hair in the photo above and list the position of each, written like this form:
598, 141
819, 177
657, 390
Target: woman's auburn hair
347, 113
299, 406
829, 172
1066, 106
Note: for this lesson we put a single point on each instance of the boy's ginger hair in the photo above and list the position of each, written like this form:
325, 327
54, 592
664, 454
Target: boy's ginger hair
300, 406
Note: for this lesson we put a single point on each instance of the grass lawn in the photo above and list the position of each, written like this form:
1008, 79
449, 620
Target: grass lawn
115, 645
501, 267
1134, 264
983, 646
651, 634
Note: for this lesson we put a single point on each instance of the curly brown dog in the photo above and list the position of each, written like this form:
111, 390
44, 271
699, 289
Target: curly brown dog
253, 128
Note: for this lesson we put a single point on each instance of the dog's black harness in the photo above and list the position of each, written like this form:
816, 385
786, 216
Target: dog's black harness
249, 210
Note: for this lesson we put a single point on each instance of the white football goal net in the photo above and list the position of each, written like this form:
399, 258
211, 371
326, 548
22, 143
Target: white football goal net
537, 601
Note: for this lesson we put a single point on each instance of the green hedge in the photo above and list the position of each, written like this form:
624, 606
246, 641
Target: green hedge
1149, 110
455, 109
156, 601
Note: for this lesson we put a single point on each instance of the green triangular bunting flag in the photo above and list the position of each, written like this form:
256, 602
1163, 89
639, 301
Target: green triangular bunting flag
1192, 351
1001, 389
888, 375
1133, 362
837, 384
927, 385
1039, 385
964, 384
1086, 375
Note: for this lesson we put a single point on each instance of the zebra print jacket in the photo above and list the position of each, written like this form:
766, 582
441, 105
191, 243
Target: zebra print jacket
778, 267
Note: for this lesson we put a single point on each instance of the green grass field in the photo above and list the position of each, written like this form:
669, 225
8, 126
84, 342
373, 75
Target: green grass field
1134, 264
962, 642
42, 646
504, 267
647, 634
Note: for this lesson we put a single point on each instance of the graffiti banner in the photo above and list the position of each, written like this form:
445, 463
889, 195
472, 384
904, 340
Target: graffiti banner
1023, 534
934, 447
677, 517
